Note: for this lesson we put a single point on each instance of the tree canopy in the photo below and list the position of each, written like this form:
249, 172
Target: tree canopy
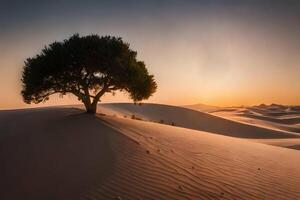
88, 67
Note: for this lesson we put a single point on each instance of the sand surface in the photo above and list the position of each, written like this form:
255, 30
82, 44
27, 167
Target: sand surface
180, 163
53, 153
188, 118
287, 123
61, 153
203, 107
273, 117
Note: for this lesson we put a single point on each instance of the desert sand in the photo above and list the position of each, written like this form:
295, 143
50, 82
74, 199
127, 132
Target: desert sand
188, 118
52, 153
288, 121
273, 117
62, 153
203, 107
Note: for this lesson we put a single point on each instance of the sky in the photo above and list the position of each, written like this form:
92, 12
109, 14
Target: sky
217, 52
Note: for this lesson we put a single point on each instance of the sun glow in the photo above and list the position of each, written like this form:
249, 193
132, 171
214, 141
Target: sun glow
211, 54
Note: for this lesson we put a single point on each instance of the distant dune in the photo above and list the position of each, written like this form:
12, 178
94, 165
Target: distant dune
202, 107
192, 119
273, 117
61, 153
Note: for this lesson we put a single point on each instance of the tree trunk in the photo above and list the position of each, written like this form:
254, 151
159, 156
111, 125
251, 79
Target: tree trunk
91, 108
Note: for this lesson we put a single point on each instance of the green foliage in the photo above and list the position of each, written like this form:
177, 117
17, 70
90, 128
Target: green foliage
87, 67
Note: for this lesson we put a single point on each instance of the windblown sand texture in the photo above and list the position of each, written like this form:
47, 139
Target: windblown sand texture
62, 153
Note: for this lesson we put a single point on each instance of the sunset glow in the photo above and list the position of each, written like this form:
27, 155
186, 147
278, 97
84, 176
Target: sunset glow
214, 53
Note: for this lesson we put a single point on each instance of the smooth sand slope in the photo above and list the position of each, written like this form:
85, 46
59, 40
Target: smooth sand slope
192, 119
180, 163
52, 153
59, 153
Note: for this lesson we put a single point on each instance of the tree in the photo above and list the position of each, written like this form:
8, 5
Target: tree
87, 67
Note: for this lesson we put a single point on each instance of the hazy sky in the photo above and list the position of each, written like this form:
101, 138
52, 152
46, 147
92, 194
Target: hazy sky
219, 52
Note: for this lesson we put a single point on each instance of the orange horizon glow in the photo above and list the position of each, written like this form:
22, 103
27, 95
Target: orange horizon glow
199, 53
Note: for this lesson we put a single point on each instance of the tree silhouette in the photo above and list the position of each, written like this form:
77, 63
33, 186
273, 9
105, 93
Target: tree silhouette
87, 67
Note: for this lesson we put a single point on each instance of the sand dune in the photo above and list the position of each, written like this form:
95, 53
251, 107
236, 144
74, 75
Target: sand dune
59, 153
287, 121
275, 110
291, 143
285, 124
192, 119
180, 163
202, 107
274, 117
52, 153
62, 153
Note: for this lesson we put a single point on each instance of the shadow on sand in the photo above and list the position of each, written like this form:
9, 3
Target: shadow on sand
52, 153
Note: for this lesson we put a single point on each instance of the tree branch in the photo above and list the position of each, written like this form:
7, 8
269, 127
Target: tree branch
100, 93
50, 93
